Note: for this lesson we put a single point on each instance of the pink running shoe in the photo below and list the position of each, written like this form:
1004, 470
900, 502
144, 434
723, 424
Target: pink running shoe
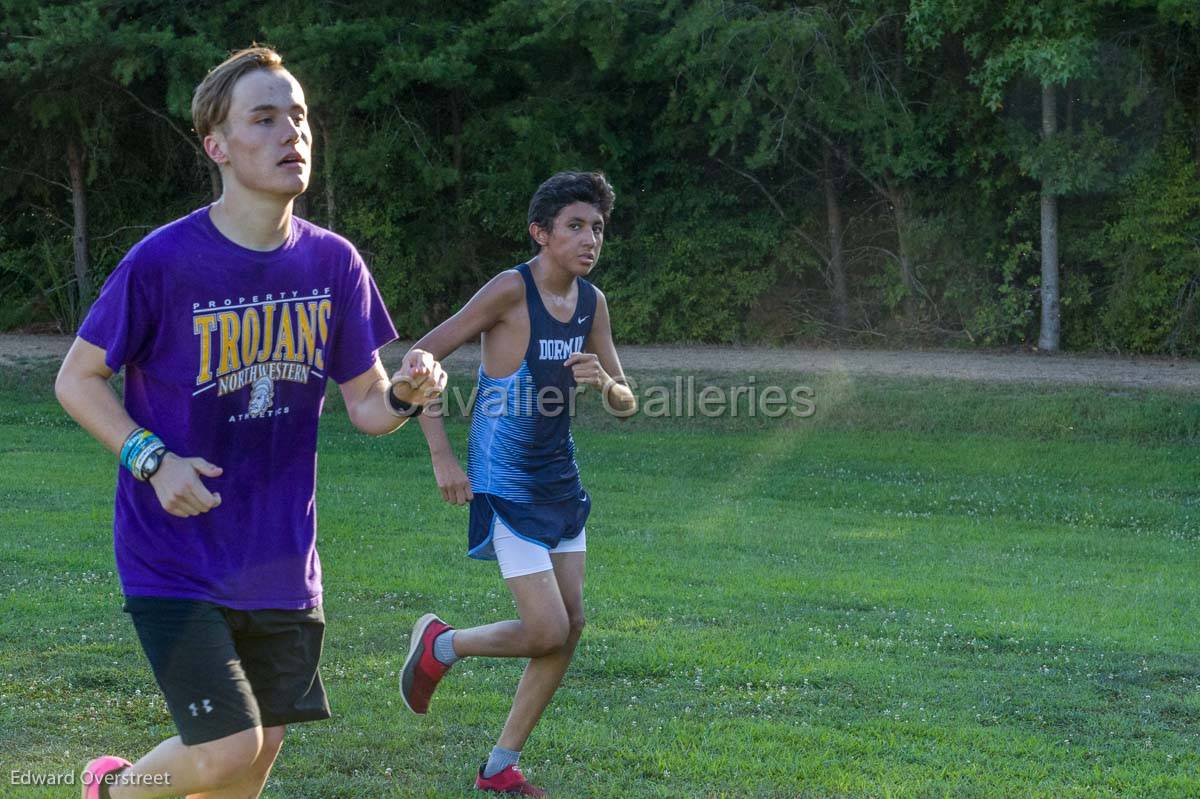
510, 781
100, 770
422, 671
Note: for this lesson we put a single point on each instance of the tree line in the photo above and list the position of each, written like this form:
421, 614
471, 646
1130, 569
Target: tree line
984, 172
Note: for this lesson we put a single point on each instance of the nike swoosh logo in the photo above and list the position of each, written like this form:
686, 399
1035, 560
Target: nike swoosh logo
582, 319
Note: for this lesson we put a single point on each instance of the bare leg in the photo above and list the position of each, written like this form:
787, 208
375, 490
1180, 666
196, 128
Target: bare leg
543, 627
544, 674
251, 785
186, 770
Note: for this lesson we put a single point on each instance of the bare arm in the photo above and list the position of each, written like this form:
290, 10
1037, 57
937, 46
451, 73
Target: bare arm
82, 388
482, 312
419, 381
599, 365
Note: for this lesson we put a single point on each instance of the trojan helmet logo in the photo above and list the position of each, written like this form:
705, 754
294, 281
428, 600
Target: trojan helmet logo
262, 395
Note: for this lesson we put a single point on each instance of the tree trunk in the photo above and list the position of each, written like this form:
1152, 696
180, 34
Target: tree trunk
837, 260
1196, 123
899, 205
898, 199
1069, 94
1048, 339
457, 155
76, 162
327, 171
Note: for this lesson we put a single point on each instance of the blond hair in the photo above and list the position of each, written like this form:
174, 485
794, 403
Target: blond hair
210, 101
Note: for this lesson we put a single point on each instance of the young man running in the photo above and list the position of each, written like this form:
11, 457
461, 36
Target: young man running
228, 323
545, 331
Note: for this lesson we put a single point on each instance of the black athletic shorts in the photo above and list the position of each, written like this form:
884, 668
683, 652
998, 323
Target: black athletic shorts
224, 671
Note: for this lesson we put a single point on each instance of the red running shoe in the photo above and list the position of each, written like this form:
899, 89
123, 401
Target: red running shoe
100, 770
510, 781
422, 671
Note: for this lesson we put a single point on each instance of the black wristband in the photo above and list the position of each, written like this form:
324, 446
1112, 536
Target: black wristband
149, 464
401, 408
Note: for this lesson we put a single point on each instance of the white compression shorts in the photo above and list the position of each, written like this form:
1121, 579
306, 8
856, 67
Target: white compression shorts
518, 556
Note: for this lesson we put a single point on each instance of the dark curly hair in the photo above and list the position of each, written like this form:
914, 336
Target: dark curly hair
565, 188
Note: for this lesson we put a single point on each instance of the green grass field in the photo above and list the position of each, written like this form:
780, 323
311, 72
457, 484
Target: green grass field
928, 589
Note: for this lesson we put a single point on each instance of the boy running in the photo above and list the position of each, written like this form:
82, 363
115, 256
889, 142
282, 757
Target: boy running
545, 331
228, 323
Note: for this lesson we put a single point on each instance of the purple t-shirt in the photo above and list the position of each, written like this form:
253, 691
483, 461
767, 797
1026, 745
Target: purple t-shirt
226, 353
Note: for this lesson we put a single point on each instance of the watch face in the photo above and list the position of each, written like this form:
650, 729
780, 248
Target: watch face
152, 464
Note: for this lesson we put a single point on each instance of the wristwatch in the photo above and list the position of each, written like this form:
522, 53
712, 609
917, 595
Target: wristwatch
400, 407
150, 464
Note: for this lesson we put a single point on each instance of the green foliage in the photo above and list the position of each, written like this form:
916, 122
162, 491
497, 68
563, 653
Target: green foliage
1071, 163
986, 284
717, 122
689, 282
40, 275
1154, 246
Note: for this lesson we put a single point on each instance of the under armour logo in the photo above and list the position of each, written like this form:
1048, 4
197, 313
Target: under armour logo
582, 319
204, 705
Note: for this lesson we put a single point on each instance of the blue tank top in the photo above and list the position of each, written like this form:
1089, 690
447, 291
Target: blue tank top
520, 447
